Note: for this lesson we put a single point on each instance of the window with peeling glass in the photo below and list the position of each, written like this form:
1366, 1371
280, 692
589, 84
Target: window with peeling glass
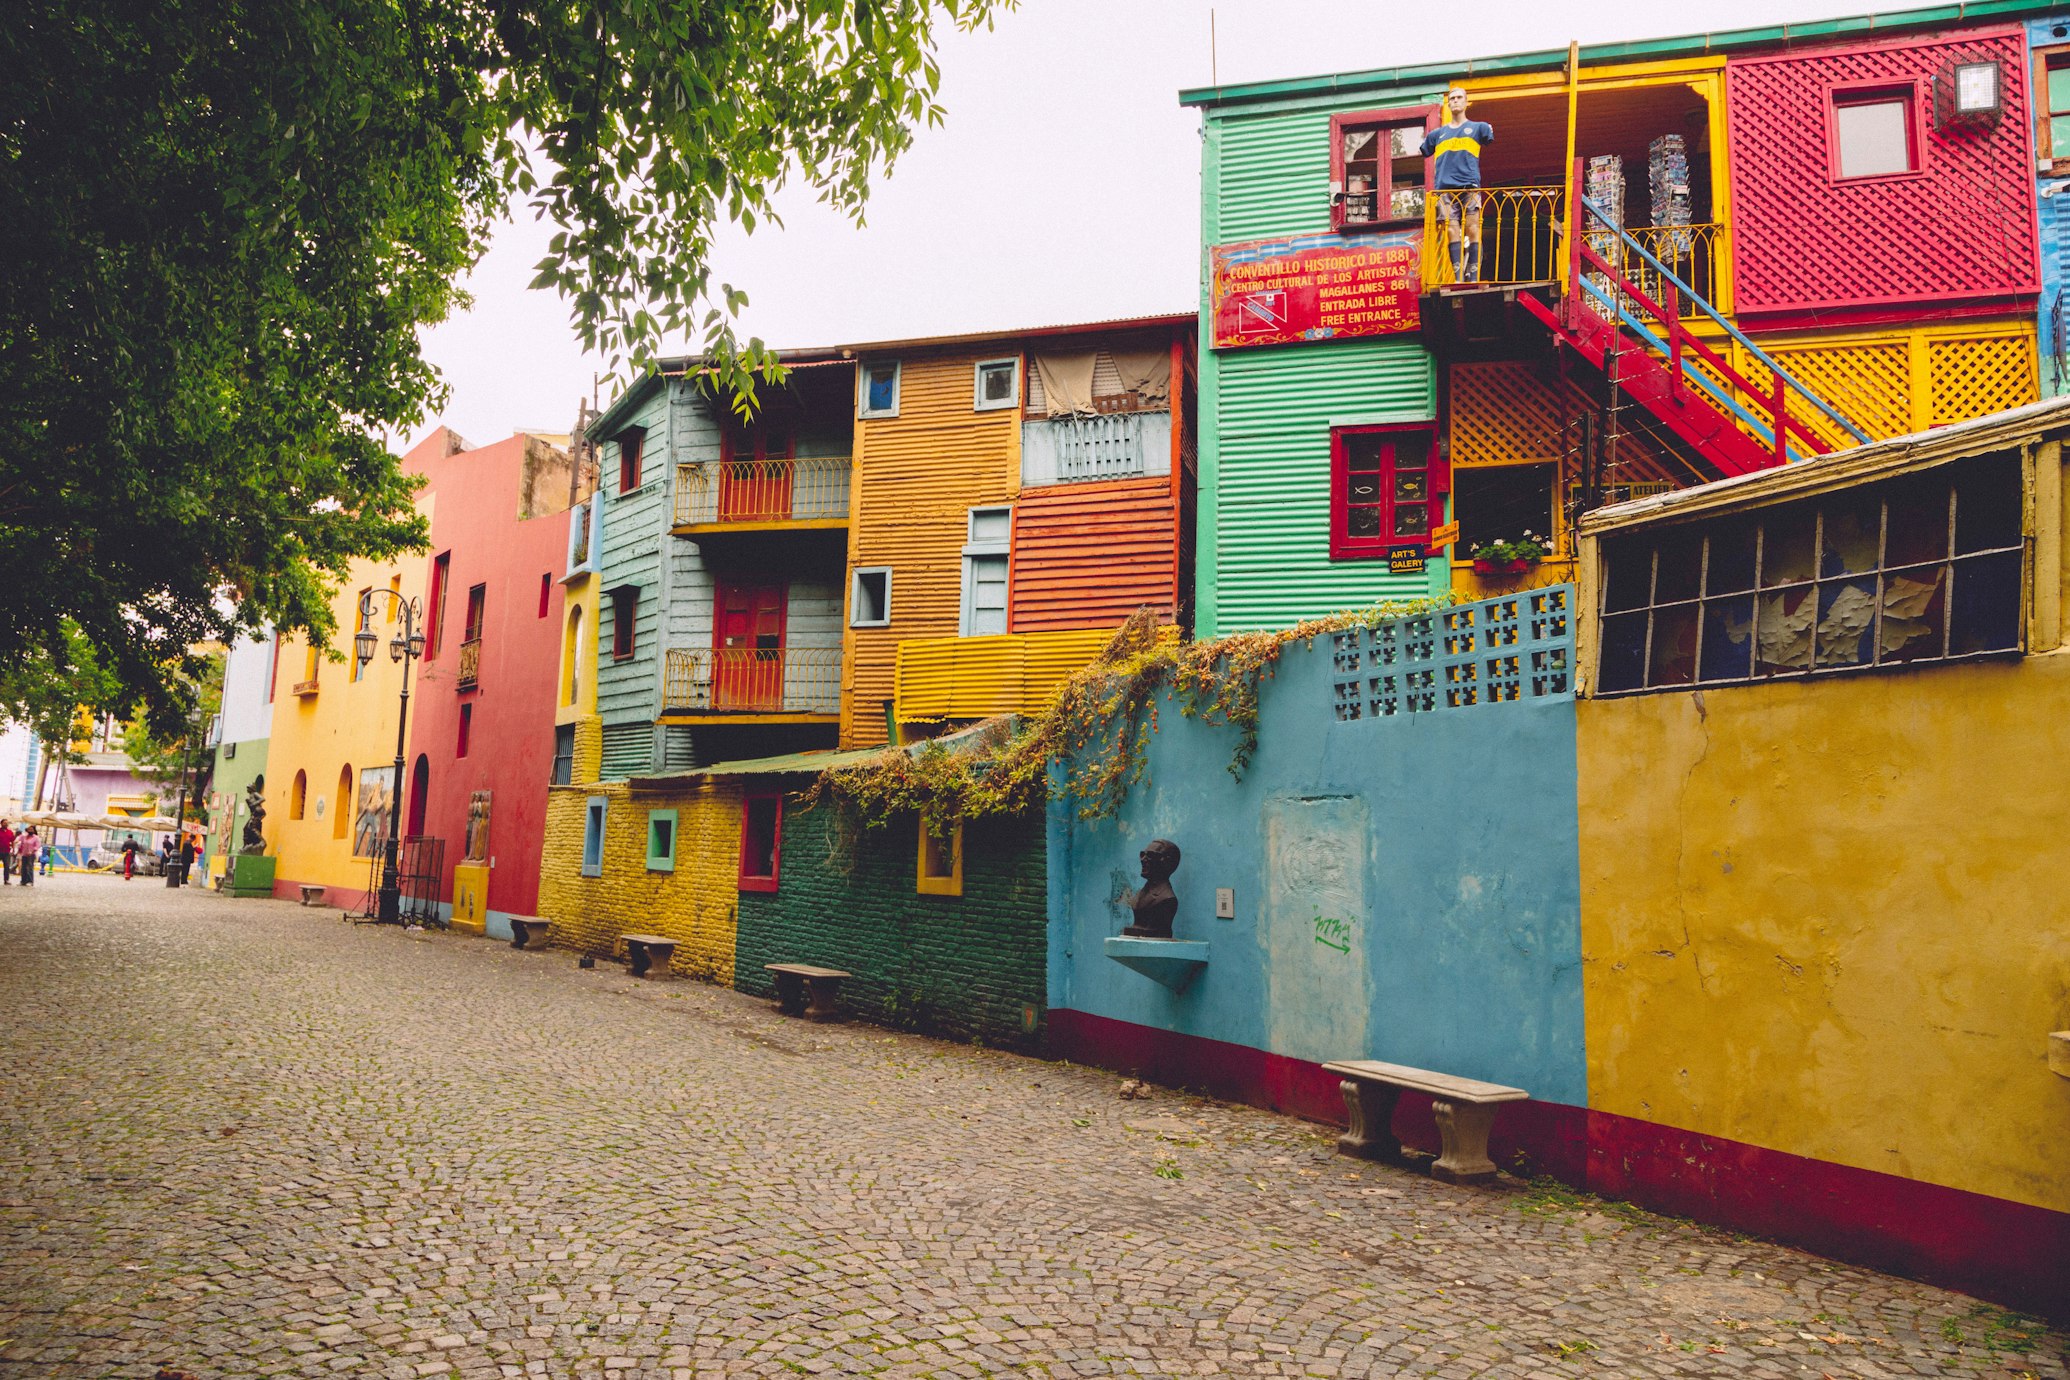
1925, 567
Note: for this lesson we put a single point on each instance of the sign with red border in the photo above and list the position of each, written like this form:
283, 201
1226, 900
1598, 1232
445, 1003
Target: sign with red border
1314, 287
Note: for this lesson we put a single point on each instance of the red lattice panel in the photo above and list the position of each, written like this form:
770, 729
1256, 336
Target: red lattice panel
1961, 228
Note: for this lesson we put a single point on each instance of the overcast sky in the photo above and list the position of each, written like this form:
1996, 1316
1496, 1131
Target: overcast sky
1064, 185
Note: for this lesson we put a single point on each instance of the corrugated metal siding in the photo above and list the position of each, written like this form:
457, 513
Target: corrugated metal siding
635, 527
628, 751
917, 475
1265, 558
1271, 175
1088, 555
977, 677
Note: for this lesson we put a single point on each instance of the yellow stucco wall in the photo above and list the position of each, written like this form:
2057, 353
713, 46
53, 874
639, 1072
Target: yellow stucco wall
580, 593
346, 722
1827, 918
696, 904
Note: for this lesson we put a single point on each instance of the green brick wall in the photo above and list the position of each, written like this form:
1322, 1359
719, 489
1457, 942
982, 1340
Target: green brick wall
969, 966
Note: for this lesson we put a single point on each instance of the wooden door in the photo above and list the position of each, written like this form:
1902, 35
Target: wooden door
755, 478
748, 646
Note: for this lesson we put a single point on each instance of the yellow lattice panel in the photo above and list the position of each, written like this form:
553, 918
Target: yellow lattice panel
1502, 413
1984, 374
1868, 382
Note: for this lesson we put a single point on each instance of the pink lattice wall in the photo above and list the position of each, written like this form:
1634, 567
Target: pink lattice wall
1958, 231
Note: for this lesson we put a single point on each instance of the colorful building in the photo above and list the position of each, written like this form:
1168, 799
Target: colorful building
243, 733
1018, 495
714, 593
1700, 257
493, 676
1761, 920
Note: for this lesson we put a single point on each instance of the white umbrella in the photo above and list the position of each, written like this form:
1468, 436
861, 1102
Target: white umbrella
65, 819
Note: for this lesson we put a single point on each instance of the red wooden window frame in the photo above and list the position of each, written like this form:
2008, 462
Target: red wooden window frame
545, 592
477, 612
1346, 547
1904, 91
273, 670
441, 576
625, 612
632, 445
1351, 119
749, 881
466, 735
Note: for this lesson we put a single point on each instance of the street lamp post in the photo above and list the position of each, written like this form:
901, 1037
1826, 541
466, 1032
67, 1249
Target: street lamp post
405, 647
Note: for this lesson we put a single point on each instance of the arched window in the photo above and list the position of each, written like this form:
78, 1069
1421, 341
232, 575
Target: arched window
420, 792
298, 795
571, 658
341, 818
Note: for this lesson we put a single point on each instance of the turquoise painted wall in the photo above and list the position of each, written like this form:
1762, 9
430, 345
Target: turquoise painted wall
1266, 412
1406, 888
2054, 206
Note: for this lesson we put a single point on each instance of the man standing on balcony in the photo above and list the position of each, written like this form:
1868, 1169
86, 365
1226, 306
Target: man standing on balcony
1457, 147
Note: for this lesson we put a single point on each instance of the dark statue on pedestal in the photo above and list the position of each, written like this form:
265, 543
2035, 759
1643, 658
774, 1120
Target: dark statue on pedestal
254, 841
1155, 904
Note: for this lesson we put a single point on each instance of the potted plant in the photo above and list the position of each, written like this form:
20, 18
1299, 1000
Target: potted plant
1509, 557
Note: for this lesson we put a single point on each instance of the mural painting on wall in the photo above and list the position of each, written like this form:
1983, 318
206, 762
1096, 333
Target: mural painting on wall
371, 812
1314, 909
1314, 287
477, 828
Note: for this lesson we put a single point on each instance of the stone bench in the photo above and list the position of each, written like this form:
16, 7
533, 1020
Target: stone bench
645, 950
803, 990
311, 895
523, 932
1465, 1112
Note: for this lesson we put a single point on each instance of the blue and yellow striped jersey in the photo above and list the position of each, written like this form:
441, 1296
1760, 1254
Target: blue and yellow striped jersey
1458, 150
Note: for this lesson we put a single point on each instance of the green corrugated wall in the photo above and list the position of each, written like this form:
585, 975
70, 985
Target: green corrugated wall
1264, 554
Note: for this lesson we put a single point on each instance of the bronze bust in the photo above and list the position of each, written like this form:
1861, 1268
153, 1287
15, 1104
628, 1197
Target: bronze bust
1155, 904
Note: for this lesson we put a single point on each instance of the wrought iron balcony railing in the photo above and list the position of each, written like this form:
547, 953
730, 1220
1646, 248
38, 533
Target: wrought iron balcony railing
1520, 235
470, 662
748, 680
761, 491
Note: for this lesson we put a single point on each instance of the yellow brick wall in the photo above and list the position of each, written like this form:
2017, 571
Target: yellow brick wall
696, 905
589, 749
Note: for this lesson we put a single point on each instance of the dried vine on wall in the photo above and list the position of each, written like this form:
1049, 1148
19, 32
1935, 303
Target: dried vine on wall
1096, 728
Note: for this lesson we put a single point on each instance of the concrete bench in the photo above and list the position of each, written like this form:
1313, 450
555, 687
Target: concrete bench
311, 895
1465, 1112
523, 932
645, 950
803, 990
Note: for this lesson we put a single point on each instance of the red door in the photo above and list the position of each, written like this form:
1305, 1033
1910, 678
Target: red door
755, 478
748, 637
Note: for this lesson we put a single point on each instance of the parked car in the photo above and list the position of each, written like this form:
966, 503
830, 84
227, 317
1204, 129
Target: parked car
107, 854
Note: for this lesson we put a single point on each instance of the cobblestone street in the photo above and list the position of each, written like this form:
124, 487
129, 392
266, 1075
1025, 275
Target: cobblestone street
244, 1138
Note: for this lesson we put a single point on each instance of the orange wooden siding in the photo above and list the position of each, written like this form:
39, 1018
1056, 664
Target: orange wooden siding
1089, 555
917, 476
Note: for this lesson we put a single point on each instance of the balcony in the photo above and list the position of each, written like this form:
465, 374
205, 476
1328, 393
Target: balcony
747, 495
747, 684
1523, 232
305, 688
1115, 445
470, 663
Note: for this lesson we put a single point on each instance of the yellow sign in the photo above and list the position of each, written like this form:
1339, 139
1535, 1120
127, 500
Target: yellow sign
1444, 536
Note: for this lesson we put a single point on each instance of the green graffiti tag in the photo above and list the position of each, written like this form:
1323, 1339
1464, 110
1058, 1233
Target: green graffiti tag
1333, 933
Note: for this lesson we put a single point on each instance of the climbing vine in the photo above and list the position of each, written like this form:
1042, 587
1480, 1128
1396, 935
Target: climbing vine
1095, 730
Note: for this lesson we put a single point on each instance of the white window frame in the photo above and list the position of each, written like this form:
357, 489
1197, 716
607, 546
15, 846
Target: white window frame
598, 808
862, 387
974, 550
977, 384
855, 601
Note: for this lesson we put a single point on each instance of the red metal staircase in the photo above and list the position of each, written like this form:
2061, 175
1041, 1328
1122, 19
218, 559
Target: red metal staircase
1643, 349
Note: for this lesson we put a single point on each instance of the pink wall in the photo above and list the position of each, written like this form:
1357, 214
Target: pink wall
476, 498
1958, 233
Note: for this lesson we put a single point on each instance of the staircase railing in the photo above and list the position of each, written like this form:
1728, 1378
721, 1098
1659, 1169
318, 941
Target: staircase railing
1658, 326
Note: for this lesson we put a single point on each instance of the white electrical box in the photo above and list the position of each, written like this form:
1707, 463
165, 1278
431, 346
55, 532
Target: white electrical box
1225, 903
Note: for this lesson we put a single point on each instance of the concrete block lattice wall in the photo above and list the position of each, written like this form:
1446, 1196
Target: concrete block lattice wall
970, 966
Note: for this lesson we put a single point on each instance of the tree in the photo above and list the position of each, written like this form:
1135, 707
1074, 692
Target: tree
228, 222
47, 690
169, 761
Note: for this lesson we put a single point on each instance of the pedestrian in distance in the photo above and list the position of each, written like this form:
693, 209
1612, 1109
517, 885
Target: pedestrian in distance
26, 849
129, 859
6, 852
